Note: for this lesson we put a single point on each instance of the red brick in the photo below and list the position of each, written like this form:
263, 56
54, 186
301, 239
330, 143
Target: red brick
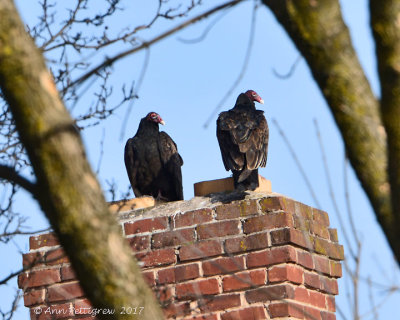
243, 280
149, 277
321, 264
218, 229
139, 243
204, 317
220, 302
164, 294
330, 302
252, 313
202, 249
146, 225
276, 292
336, 251
60, 311
317, 299
320, 217
191, 218
223, 265
82, 307
327, 316
320, 231
283, 236
312, 280
305, 259
64, 291
286, 273
236, 209
303, 210
43, 240
329, 285
286, 309
196, 288
34, 297
67, 273
247, 243
301, 223
177, 309
38, 278
157, 257
172, 238
178, 274
33, 259
311, 313
301, 295
56, 257
268, 221
271, 256
277, 204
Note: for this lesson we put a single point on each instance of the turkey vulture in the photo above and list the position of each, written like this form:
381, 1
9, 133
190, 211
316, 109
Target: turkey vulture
153, 163
242, 134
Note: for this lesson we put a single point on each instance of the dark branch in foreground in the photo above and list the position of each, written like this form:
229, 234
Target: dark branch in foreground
10, 174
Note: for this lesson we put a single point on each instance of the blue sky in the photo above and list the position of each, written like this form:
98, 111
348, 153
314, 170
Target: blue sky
185, 82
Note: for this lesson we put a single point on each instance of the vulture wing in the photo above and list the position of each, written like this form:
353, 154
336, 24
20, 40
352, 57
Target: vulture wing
172, 162
243, 139
131, 165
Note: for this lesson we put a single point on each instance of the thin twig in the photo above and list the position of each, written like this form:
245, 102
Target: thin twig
291, 70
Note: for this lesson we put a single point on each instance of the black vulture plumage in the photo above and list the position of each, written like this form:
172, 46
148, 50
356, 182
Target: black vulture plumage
242, 134
153, 163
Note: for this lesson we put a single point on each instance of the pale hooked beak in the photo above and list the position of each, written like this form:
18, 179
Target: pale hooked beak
162, 122
261, 101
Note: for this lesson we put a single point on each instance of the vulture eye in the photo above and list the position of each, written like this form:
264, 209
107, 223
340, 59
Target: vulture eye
153, 116
254, 94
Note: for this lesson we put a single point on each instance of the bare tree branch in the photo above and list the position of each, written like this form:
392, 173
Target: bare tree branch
10, 174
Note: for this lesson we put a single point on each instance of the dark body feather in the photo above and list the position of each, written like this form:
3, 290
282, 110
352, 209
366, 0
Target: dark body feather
153, 163
242, 134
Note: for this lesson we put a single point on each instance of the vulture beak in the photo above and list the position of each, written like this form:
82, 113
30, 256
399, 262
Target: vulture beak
162, 122
261, 101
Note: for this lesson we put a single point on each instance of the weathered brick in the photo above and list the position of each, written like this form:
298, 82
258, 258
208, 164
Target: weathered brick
276, 204
329, 285
196, 288
268, 221
60, 311
64, 291
336, 269
301, 223
336, 251
305, 259
287, 272
247, 279
172, 238
202, 249
330, 303
327, 316
149, 277
178, 274
38, 278
247, 243
43, 240
82, 307
320, 217
218, 229
312, 280
56, 257
317, 299
164, 294
139, 243
67, 273
146, 225
220, 302
157, 257
204, 317
286, 309
236, 209
301, 295
321, 264
271, 256
300, 238
177, 309
191, 218
33, 259
275, 292
34, 297
252, 313
223, 265
320, 231
303, 210
333, 235
312, 313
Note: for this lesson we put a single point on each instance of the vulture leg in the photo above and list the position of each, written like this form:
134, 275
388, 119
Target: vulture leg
250, 183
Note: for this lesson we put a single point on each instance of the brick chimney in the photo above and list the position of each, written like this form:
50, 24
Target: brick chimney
263, 256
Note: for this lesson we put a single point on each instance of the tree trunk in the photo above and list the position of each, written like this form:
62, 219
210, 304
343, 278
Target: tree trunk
67, 189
